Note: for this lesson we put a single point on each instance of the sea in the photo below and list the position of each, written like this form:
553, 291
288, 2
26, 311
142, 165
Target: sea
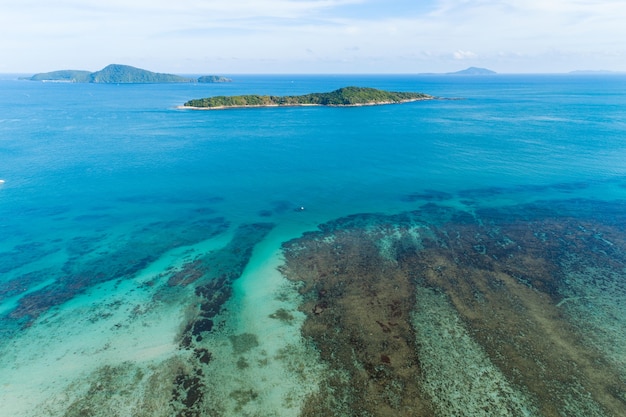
289, 261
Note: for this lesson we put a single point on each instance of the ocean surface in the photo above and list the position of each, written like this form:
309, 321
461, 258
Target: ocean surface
158, 261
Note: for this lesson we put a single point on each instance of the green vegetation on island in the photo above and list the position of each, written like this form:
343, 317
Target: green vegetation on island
214, 79
70, 76
127, 74
347, 96
121, 74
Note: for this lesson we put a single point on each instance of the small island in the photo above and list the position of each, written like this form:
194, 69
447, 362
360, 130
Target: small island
347, 96
121, 74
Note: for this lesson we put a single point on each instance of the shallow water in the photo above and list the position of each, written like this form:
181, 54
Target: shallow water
142, 267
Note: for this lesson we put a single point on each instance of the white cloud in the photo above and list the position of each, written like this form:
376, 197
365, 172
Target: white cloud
511, 34
464, 55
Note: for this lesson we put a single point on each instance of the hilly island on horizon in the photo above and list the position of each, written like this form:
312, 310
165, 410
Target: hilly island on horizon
116, 73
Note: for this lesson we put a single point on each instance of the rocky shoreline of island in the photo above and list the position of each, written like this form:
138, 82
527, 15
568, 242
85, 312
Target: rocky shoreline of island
259, 106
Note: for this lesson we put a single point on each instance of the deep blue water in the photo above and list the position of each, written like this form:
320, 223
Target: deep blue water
91, 170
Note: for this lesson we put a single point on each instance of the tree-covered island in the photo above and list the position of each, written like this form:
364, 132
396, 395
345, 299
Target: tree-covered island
347, 96
121, 74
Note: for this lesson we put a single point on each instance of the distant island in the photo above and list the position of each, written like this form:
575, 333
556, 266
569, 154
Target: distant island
121, 74
473, 71
466, 71
347, 96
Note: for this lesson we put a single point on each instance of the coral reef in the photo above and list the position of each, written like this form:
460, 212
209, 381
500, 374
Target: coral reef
358, 314
404, 308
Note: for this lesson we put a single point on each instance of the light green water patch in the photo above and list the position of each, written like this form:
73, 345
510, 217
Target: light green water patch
457, 373
102, 352
122, 354
67, 345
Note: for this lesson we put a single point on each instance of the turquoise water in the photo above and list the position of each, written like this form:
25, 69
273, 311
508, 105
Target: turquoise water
108, 187
100, 152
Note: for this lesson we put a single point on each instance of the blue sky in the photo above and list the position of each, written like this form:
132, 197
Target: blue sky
313, 36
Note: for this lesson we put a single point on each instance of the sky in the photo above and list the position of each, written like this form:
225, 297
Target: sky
313, 36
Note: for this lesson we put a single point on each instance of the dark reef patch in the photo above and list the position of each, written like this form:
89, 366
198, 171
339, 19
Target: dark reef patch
23, 254
487, 192
282, 315
188, 391
504, 271
91, 263
203, 355
22, 283
480, 193
265, 213
160, 199
279, 207
426, 195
